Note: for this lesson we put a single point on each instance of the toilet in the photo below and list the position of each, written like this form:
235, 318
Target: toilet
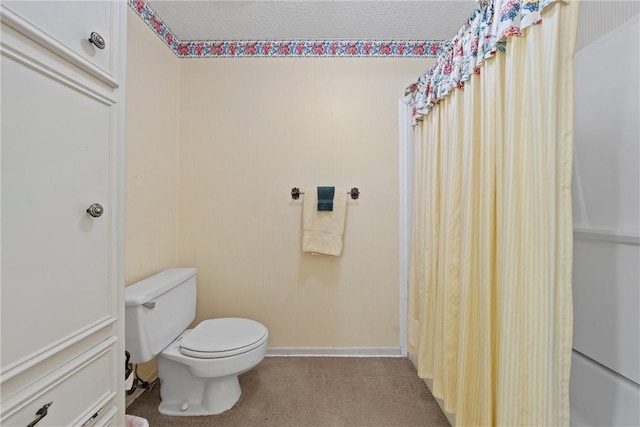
198, 368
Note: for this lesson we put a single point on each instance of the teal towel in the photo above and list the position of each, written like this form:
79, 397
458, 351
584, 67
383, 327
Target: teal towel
325, 198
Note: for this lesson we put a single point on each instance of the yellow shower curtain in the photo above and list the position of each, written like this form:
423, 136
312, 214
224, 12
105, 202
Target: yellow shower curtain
491, 315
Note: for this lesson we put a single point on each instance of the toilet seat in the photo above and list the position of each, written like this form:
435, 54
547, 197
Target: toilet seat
224, 337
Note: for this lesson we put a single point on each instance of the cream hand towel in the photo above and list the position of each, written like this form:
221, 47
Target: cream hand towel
322, 230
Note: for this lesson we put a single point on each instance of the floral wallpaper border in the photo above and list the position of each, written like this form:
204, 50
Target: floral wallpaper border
283, 48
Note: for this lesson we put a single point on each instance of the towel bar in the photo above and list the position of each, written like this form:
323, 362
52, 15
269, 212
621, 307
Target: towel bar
354, 193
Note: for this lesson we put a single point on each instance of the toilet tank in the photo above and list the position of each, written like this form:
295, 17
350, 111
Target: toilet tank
157, 310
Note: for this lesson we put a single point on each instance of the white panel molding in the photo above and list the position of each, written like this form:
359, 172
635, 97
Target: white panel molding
27, 395
606, 235
17, 55
335, 351
34, 358
118, 21
95, 411
110, 415
11, 19
117, 181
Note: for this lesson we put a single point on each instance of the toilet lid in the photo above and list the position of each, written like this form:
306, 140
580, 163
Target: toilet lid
223, 337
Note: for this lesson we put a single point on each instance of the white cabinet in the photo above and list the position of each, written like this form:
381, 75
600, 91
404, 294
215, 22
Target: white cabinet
77, 392
61, 152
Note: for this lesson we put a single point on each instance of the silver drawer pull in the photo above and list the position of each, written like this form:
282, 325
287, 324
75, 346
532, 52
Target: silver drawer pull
42, 412
95, 210
97, 40
92, 418
150, 305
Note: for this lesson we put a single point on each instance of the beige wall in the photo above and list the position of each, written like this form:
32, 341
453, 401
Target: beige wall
151, 153
151, 157
250, 130
213, 149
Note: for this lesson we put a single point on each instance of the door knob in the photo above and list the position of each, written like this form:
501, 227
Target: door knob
95, 210
97, 40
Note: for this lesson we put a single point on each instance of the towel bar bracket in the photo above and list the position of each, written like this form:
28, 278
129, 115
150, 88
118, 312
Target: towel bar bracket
354, 193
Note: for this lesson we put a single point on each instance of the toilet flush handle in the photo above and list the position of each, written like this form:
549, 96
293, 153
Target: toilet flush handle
150, 305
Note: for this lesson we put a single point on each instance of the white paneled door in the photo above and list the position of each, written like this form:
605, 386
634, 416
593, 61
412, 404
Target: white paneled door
55, 255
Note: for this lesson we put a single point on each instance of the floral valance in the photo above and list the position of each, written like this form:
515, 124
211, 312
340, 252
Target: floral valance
484, 34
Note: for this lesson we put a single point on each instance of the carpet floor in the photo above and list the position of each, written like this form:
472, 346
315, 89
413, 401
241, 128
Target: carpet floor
317, 391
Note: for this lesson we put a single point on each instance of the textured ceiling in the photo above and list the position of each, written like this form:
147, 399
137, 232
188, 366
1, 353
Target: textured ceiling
315, 20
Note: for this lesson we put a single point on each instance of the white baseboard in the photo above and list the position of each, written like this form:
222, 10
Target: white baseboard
450, 417
131, 397
335, 351
150, 377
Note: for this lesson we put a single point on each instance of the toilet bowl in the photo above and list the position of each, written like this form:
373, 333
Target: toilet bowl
199, 381
198, 368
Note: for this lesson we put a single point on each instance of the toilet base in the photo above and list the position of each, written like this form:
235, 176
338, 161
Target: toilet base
219, 396
194, 386
184, 394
